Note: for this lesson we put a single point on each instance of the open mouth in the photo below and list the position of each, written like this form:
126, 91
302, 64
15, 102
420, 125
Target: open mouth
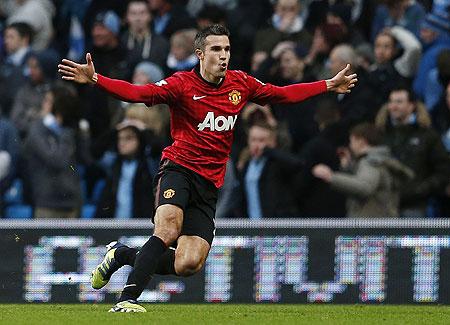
223, 66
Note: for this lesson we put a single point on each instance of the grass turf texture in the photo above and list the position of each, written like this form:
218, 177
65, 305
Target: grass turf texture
225, 314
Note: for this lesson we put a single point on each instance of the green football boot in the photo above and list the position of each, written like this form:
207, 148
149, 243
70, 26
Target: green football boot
103, 272
127, 306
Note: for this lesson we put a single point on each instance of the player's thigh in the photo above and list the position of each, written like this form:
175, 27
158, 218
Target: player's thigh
168, 222
191, 254
172, 192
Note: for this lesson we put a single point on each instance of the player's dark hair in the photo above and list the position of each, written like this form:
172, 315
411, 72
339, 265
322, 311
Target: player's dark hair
368, 132
216, 29
24, 30
402, 87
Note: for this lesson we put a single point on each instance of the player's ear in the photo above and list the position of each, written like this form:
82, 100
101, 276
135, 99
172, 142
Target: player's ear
199, 53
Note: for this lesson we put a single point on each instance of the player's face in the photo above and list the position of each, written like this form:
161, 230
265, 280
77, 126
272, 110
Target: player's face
215, 58
384, 49
127, 142
399, 106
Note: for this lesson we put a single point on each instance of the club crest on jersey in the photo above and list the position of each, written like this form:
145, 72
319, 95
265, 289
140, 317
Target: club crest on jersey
219, 123
168, 194
234, 97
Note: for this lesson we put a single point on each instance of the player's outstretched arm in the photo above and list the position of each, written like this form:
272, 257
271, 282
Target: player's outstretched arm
80, 73
123, 90
341, 83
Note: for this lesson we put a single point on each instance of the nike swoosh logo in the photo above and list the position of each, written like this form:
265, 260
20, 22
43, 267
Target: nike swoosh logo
129, 285
197, 97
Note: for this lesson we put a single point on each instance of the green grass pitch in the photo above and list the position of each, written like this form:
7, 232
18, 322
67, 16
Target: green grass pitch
163, 314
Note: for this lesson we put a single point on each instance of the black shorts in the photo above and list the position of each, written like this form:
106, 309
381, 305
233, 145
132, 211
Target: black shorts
194, 194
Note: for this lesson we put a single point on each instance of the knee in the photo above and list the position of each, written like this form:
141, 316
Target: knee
187, 266
168, 222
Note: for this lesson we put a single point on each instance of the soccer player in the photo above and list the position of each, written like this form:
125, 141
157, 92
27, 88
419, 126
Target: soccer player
204, 105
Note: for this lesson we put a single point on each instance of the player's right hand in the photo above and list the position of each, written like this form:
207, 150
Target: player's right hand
81, 73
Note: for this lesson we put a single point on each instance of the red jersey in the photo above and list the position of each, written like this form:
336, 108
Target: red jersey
203, 114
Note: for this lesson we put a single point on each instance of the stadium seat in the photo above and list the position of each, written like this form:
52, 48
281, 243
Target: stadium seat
18, 211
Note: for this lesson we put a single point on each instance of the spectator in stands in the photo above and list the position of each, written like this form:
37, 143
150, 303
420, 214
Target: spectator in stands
341, 13
17, 39
286, 66
147, 72
169, 17
408, 133
9, 150
406, 13
27, 103
435, 36
354, 107
156, 119
326, 37
139, 40
244, 21
128, 190
93, 8
441, 122
50, 153
314, 197
228, 197
437, 78
390, 68
286, 24
441, 118
38, 14
369, 178
265, 176
103, 112
210, 15
181, 56
195, 7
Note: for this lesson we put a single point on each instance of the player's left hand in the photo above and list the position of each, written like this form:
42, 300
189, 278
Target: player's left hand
341, 83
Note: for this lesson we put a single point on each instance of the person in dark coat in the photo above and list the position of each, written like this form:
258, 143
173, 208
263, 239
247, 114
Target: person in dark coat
266, 176
128, 192
408, 133
139, 40
314, 197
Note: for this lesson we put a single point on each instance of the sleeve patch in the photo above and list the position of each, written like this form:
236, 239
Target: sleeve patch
161, 83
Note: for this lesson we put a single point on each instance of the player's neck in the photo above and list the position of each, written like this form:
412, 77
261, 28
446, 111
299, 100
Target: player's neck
209, 76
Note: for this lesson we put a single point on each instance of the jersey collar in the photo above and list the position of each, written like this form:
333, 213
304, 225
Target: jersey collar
212, 84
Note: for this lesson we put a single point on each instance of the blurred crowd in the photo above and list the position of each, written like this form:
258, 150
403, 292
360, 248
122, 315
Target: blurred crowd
383, 150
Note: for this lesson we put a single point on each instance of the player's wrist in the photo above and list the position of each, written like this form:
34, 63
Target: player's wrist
329, 83
94, 78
